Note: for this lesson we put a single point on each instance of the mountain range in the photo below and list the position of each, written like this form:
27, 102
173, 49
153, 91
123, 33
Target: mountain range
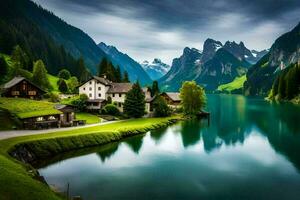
155, 69
217, 64
134, 69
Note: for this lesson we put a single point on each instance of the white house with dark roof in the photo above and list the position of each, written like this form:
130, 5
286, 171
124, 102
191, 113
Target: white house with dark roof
98, 89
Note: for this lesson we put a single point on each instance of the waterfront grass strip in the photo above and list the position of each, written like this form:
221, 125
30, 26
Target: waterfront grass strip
15, 178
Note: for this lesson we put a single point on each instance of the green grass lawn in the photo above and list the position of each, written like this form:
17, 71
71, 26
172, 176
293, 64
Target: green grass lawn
237, 83
53, 82
17, 182
90, 118
24, 108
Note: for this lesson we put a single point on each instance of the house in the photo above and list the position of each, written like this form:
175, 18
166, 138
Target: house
60, 116
172, 98
21, 87
100, 89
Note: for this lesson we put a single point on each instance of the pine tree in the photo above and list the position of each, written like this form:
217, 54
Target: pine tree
83, 74
281, 87
154, 89
118, 75
134, 105
3, 69
102, 67
62, 86
126, 77
20, 58
39, 76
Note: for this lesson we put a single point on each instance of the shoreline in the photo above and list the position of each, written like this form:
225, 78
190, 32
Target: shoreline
17, 154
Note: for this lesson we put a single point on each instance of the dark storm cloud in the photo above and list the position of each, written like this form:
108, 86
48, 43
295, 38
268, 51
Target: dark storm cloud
164, 27
182, 13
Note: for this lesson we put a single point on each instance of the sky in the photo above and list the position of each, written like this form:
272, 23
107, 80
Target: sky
148, 29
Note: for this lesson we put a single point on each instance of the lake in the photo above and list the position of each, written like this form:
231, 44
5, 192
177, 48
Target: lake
250, 150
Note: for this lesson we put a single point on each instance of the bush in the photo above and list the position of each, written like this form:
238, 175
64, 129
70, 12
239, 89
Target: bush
53, 97
161, 108
64, 74
80, 102
62, 86
111, 109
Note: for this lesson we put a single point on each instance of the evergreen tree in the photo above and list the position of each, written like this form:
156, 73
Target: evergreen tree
118, 75
62, 86
281, 87
192, 97
83, 74
3, 69
126, 77
102, 67
111, 72
65, 74
39, 76
154, 89
20, 58
134, 105
161, 108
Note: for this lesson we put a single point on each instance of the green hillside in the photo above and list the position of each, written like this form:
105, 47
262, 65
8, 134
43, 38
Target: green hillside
236, 84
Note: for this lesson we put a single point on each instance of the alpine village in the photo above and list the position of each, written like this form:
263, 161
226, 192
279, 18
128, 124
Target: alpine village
85, 121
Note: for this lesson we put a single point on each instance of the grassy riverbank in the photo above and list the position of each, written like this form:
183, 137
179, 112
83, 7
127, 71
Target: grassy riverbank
15, 178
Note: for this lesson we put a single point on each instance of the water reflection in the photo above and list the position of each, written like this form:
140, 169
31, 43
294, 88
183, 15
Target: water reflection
248, 151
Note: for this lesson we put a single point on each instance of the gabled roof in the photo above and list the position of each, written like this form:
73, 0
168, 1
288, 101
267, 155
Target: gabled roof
119, 88
15, 81
102, 80
174, 96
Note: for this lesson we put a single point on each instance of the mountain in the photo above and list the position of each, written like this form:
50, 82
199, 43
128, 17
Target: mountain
213, 66
74, 40
134, 69
156, 69
186, 67
284, 51
18, 29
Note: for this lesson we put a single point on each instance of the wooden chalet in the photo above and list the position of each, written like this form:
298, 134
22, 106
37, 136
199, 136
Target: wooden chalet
21, 87
172, 98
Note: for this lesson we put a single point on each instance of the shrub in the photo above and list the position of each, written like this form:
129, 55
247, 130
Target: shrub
161, 108
64, 74
111, 109
80, 102
62, 86
53, 97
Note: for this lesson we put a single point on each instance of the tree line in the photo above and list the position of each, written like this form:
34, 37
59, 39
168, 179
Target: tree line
111, 72
287, 84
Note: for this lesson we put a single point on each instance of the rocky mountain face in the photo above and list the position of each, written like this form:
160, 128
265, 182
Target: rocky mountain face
214, 66
155, 69
284, 51
134, 69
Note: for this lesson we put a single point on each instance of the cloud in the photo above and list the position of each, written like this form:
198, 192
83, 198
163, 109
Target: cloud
145, 29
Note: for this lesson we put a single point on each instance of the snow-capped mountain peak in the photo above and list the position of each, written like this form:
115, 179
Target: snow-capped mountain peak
155, 69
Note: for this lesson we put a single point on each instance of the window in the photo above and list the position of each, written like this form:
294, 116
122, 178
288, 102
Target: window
90, 82
51, 118
113, 95
90, 95
90, 88
84, 88
32, 92
120, 104
24, 86
99, 95
120, 95
98, 82
40, 119
99, 88
15, 93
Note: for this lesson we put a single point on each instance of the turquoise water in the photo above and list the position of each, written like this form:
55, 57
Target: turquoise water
250, 150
